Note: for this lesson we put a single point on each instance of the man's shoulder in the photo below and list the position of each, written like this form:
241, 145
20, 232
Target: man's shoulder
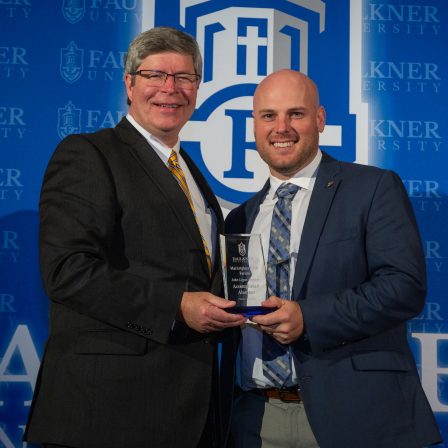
106, 140
349, 167
103, 143
360, 179
354, 169
100, 135
370, 173
359, 168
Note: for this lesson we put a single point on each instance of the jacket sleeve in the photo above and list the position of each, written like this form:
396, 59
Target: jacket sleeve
382, 269
83, 255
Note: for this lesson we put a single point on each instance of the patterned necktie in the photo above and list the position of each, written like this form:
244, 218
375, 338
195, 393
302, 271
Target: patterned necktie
179, 175
276, 357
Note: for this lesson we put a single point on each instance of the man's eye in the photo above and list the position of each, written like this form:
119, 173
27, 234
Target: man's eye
154, 77
185, 80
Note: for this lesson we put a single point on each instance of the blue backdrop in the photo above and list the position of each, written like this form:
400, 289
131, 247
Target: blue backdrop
381, 68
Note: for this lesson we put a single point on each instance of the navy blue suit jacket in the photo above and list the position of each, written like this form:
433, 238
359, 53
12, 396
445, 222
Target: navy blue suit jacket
360, 276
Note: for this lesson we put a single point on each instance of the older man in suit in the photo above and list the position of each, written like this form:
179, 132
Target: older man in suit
330, 366
128, 243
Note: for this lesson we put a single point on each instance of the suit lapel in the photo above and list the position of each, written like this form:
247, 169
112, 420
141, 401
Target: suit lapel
253, 206
211, 201
153, 166
209, 197
321, 199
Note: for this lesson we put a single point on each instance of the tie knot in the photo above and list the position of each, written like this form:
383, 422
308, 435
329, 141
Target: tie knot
173, 158
287, 190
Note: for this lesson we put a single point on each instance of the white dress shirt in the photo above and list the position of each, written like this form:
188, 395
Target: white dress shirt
204, 215
249, 365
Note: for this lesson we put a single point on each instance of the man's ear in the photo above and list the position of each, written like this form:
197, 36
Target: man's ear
128, 81
321, 116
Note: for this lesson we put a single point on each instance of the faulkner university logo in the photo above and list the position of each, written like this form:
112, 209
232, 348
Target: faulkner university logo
240, 46
242, 249
73, 10
71, 63
69, 120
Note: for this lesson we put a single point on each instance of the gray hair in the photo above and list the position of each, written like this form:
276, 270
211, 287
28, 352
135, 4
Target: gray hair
162, 39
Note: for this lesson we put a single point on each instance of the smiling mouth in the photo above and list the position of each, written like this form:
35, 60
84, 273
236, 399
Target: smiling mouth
167, 106
283, 144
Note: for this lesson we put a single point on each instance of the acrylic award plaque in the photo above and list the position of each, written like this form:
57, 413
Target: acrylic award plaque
244, 273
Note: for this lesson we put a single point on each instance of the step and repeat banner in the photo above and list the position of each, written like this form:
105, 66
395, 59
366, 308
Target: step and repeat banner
382, 72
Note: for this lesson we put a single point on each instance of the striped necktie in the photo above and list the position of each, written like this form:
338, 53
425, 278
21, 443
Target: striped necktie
276, 357
176, 170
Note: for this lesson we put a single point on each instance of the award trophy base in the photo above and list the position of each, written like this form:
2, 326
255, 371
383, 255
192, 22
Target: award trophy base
249, 311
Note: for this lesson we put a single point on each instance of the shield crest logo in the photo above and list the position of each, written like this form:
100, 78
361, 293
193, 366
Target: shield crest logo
71, 66
241, 43
73, 10
69, 120
242, 249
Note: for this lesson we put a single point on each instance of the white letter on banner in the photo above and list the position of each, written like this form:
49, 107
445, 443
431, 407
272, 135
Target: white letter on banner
430, 370
21, 341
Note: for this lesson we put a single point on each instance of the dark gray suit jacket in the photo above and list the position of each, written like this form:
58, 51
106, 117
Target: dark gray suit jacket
119, 245
360, 276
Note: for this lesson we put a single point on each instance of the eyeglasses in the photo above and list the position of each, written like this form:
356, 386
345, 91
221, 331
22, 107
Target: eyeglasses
156, 78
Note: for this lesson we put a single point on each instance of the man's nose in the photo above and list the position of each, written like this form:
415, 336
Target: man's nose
282, 124
170, 84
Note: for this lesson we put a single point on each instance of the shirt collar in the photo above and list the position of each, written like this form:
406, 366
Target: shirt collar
162, 149
304, 178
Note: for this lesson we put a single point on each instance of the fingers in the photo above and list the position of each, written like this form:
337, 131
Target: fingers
283, 335
279, 332
273, 318
223, 319
205, 312
218, 315
272, 302
283, 338
285, 324
219, 302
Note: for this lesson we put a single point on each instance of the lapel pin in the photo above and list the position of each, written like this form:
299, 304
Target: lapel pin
330, 183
